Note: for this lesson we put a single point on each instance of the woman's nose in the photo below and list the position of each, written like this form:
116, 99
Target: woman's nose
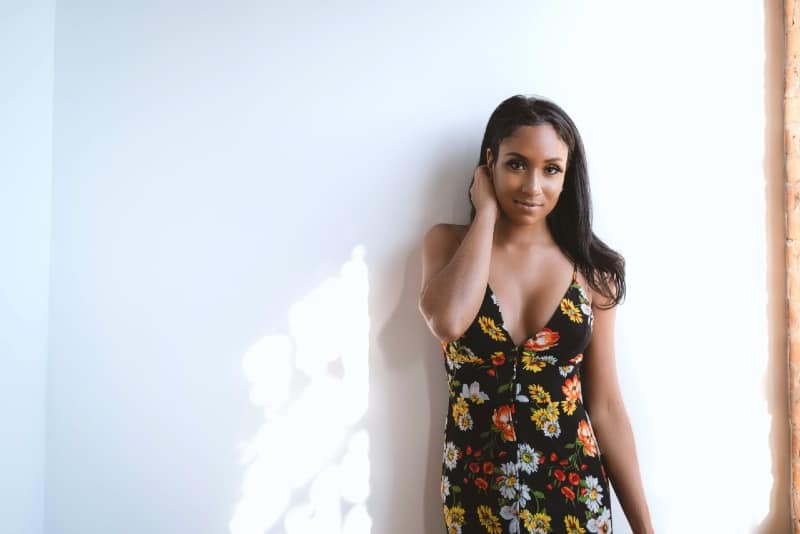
533, 182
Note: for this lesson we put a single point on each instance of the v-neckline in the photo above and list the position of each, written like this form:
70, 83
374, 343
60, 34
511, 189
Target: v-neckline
550, 320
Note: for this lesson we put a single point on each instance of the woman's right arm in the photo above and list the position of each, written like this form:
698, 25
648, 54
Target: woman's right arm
455, 271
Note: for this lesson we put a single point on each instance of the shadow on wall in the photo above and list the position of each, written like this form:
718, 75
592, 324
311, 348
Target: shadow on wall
412, 353
316, 376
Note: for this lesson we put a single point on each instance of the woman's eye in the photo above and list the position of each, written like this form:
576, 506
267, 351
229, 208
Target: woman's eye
517, 165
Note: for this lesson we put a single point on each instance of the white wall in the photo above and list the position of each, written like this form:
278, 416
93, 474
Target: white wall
26, 107
238, 197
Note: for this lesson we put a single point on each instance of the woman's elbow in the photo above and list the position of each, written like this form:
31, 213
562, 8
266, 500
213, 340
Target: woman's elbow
440, 326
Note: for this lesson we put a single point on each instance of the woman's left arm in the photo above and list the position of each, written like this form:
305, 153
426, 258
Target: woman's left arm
609, 419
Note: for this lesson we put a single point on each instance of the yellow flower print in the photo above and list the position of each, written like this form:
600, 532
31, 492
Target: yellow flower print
539, 394
573, 525
539, 417
569, 406
540, 522
453, 516
526, 517
531, 364
457, 514
552, 411
460, 408
461, 414
568, 308
458, 355
490, 328
488, 520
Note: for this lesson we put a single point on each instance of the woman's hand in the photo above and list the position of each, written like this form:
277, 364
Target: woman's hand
481, 192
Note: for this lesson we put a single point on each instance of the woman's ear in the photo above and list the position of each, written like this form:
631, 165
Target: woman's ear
489, 158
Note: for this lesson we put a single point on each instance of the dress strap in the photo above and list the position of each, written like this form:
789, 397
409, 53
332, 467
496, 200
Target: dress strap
574, 272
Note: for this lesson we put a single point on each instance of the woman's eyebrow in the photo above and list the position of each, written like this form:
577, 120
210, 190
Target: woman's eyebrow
526, 159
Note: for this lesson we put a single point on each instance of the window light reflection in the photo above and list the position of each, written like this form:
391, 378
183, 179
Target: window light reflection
319, 424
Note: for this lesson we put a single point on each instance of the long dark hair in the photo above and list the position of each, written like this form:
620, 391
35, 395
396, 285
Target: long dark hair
570, 222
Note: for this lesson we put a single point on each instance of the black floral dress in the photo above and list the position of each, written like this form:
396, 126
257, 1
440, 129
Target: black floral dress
520, 455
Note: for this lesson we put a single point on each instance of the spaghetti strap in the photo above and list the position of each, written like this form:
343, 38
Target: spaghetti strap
574, 272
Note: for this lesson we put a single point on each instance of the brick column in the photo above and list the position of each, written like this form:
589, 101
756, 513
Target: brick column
791, 123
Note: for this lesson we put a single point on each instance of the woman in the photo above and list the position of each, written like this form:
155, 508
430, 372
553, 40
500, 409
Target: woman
527, 361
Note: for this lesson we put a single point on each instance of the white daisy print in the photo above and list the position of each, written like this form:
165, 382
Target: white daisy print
524, 495
520, 397
600, 524
473, 392
583, 293
594, 494
450, 455
445, 487
528, 459
464, 422
508, 480
511, 514
552, 429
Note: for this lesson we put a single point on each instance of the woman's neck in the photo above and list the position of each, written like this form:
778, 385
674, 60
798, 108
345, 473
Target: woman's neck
508, 234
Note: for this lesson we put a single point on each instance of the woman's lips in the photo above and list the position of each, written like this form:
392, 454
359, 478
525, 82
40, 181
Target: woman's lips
527, 205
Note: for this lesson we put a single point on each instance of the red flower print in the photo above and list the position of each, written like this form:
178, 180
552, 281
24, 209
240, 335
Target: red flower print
503, 422
574, 479
498, 358
572, 388
586, 438
564, 462
481, 483
577, 359
584, 467
488, 468
474, 467
477, 453
469, 450
559, 474
543, 340
583, 491
568, 493
553, 457
549, 486
490, 372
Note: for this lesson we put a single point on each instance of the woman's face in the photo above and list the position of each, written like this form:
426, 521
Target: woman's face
528, 173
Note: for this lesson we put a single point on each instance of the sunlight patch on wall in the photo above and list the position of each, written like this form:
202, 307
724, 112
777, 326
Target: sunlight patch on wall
308, 464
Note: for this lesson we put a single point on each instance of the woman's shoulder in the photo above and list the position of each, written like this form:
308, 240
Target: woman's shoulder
441, 242
444, 233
